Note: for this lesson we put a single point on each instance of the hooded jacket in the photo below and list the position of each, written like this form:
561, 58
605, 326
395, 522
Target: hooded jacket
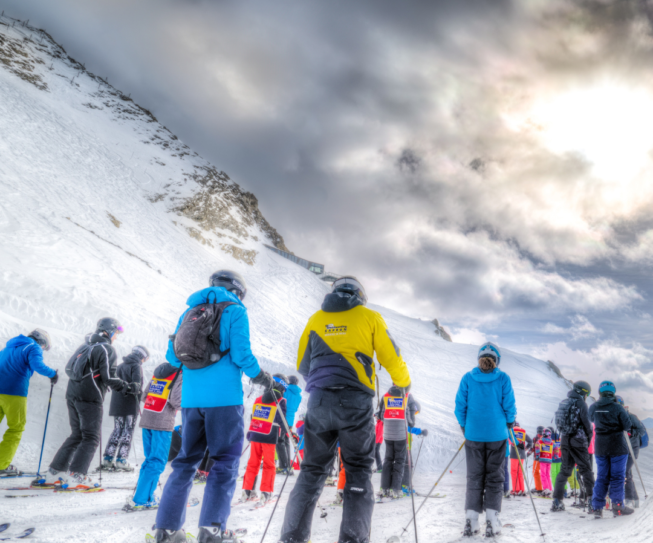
293, 399
90, 382
610, 421
20, 358
164, 421
337, 347
485, 403
123, 404
219, 384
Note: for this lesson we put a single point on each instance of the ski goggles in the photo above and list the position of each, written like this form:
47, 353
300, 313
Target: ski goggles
350, 284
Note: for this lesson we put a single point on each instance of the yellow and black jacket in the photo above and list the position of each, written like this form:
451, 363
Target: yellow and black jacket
337, 347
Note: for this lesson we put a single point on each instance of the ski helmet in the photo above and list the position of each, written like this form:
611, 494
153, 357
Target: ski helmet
540, 429
42, 338
141, 351
546, 432
230, 280
583, 388
490, 350
350, 285
281, 379
292, 380
607, 389
109, 326
620, 401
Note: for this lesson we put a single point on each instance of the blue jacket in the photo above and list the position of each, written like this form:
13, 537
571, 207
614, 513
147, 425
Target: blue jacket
219, 384
21, 357
293, 397
485, 402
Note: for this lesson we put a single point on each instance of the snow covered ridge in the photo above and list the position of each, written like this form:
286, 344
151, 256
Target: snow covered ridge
187, 184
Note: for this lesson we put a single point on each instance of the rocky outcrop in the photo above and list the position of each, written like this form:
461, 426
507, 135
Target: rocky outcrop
439, 331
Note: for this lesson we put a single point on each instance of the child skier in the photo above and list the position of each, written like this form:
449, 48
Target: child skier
283, 443
536, 462
125, 408
378, 432
556, 461
162, 401
485, 410
524, 442
611, 422
545, 457
264, 430
20, 358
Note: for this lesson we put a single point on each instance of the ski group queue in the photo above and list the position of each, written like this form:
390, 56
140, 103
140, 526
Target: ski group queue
207, 355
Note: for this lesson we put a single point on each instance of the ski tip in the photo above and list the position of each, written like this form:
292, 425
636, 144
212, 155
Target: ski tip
393, 539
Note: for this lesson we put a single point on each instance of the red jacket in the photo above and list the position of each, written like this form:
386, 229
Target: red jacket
379, 431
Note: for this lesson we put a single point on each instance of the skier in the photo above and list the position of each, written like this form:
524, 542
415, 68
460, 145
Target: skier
20, 358
211, 405
395, 413
485, 410
162, 401
636, 432
293, 400
556, 460
91, 371
125, 408
336, 358
611, 421
264, 431
413, 408
524, 442
378, 433
545, 446
282, 440
537, 478
572, 421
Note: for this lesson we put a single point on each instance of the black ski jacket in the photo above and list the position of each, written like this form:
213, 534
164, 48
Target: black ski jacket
637, 430
98, 375
610, 421
583, 436
123, 404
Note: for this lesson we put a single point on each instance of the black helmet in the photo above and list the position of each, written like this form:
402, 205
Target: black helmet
350, 285
109, 326
540, 429
292, 380
42, 338
232, 281
583, 388
141, 351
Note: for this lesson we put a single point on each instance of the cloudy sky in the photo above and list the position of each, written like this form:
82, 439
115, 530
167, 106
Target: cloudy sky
486, 163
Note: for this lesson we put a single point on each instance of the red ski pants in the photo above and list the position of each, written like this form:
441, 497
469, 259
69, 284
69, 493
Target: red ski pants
266, 452
517, 476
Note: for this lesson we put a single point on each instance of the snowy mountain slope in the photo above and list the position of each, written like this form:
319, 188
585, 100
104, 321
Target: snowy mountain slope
103, 212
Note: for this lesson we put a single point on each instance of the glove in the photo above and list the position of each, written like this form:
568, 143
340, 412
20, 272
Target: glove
425, 432
463, 429
133, 388
510, 425
263, 379
54, 379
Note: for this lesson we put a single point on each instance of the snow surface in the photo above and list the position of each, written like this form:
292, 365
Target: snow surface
64, 167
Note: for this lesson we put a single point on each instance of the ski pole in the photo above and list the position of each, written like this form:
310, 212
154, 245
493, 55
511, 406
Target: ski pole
521, 465
410, 479
244, 451
47, 416
418, 453
632, 454
395, 538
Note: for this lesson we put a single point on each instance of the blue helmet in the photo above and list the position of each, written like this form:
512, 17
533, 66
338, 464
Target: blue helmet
491, 350
607, 388
620, 401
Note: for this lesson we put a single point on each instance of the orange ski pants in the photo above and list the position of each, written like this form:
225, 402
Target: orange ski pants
266, 452
342, 479
536, 476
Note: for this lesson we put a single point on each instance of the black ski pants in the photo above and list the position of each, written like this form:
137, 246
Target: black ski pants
282, 450
631, 490
574, 453
77, 451
343, 415
485, 474
393, 465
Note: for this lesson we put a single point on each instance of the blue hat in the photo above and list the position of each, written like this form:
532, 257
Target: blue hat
491, 350
607, 387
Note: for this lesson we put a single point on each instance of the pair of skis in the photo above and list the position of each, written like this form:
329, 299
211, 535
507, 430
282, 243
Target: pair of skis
21, 535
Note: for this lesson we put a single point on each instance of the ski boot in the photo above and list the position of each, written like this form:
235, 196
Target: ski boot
619, 509
200, 477
78, 481
10, 471
472, 526
406, 490
51, 478
492, 523
265, 498
598, 513
248, 496
330, 481
169, 536
390, 493
340, 495
107, 464
507, 495
123, 465
216, 535
557, 506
